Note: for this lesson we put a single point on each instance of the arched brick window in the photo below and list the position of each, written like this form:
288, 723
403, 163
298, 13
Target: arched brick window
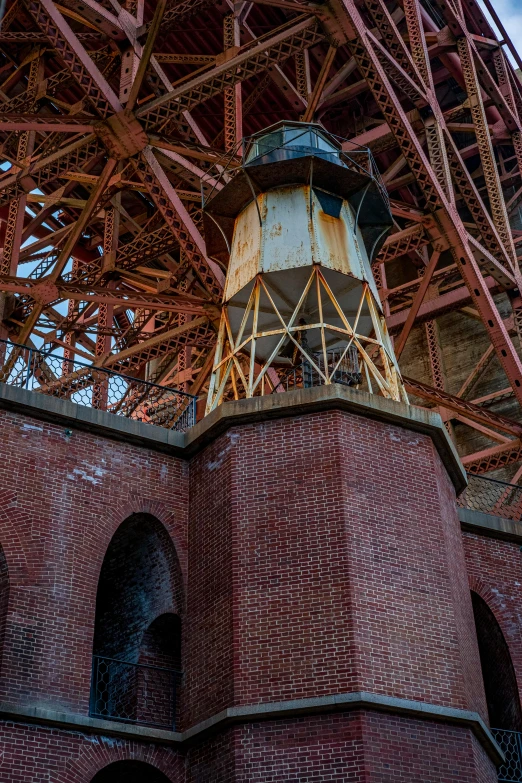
498, 673
137, 637
130, 772
4, 600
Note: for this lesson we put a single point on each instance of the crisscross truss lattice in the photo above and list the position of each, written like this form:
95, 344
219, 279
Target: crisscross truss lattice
235, 360
113, 116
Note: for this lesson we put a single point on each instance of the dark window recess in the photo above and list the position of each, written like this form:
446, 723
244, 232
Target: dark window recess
129, 772
331, 205
136, 673
500, 682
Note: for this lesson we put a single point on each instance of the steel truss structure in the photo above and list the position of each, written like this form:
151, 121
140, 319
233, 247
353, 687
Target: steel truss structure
113, 112
228, 365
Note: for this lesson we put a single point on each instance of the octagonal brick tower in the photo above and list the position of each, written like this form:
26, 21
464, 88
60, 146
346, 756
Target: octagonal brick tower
331, 631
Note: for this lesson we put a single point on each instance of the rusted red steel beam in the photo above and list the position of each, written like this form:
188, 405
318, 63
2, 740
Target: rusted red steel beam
82, 67
47, 293
433, 308
436, 201
417, 303
197, 331
180, 222
462, 407
396, 245
397, 58
490, 234
252, 60
43, 171
494, 458
13, 122
477, 371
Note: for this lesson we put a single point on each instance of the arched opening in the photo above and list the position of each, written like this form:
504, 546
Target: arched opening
161, 643
499, 677
130, 772
137, 636
4, 601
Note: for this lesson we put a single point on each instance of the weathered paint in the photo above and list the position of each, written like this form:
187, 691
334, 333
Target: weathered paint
287, 229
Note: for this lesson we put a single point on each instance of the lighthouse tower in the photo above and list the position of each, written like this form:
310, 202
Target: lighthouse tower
299, 220
331, 625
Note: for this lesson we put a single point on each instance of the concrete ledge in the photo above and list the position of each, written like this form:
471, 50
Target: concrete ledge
341, 702
70, 414
323, 398
490, 525
74, 722
351, 701
232, 414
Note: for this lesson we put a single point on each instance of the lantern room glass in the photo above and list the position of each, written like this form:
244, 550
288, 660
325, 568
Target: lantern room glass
303, 138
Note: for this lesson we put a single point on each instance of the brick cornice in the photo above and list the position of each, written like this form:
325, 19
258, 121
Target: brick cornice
341, 702
490, 525
232, 414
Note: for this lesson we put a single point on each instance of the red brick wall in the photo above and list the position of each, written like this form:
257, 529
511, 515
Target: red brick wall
32, 754
62, 498
402, 750
209, 680
312, 749
4, 600
361, 747
322, 554
337, 538
458, 584
214, 760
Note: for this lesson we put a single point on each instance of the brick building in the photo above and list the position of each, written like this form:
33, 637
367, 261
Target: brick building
204, 201
288, 591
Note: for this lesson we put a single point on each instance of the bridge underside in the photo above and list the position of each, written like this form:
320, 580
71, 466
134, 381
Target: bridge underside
112, 113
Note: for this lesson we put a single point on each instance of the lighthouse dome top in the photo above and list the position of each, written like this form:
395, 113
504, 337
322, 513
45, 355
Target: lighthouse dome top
287, 140
288, 154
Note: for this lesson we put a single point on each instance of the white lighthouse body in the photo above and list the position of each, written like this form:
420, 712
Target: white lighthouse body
299, 223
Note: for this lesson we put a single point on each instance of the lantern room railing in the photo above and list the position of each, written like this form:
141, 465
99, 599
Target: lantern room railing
339, 367
96, 387
287, 141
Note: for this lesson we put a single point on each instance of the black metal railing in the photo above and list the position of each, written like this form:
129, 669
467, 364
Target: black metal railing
134, 693
490, 496
340, 367
510, 742
96, 387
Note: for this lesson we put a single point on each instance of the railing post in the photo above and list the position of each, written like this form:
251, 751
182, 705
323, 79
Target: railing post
92, 700
174, 699
28, 375
519, 748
